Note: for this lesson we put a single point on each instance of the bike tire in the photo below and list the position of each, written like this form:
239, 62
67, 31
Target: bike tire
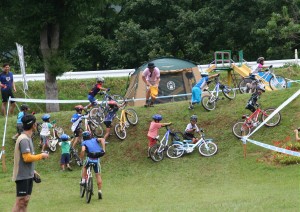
208, 150
121, 133
76, 157
175, 151
243, 86
239, 128
228, 92
82, 189
89, 189
277, 83
97, 130
118, 98
274, 121
208, 103
131, 116
52, 148
154, 155
97, 115
59, 131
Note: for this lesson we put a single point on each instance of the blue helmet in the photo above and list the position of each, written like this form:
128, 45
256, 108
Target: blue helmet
46, 117
157, 117
86, 135
64, 137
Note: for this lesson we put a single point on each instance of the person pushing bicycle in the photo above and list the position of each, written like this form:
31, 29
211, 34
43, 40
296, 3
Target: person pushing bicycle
76, 124
191, 129
252, 102
258, 67
94, 151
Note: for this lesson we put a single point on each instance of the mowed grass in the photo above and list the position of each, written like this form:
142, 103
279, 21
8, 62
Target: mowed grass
132, 182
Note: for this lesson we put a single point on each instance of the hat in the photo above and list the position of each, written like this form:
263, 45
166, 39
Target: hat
151, 65
28, 121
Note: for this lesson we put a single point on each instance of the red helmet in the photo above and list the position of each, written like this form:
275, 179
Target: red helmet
78, 107
112, 103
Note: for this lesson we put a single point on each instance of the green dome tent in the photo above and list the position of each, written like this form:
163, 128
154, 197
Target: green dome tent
177, 76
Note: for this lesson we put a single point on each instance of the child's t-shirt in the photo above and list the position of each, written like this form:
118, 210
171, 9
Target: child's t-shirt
257, 68
76, 120
190, 126
97, 87
45, 131
65, 147
111, 113
202, 83
153, 129
20, 116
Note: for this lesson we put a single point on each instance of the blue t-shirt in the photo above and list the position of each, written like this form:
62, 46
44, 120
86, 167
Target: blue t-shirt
201, 83
111, 113
6, 79
20, 116
92, 145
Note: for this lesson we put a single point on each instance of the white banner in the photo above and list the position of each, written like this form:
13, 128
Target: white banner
22, 65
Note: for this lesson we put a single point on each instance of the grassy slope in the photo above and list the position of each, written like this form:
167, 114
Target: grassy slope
225, 182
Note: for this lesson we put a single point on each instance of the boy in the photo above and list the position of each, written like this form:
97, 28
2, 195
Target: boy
191, 128
65, 152
24, 108
76, 126
251, 104
45, 131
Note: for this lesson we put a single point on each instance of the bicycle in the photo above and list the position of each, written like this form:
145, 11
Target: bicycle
205, 146
92, 126
209, 101
88, 187
276, 82
244, 128
156, 152
74, 155
128, 116
54, 138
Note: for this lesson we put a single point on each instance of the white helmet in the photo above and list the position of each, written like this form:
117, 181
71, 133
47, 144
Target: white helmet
100, 79
204, 73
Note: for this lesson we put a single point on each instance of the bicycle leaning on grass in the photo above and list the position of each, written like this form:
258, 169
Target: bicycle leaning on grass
206, 147
244, 128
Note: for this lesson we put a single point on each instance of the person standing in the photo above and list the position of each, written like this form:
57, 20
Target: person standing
7, 84
151, 77
23, 170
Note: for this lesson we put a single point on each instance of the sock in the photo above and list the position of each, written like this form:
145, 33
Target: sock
99, 191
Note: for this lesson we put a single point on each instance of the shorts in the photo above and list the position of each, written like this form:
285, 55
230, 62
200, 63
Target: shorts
65, 158
19, 128
91, 98
189, 136
6, 94
107, 124
24, 187
196, 95
77, 132
152, 141
44, 139
96, 167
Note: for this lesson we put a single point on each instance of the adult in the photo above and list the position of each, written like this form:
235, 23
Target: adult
7, 84
297, 134
151, 77
23, 172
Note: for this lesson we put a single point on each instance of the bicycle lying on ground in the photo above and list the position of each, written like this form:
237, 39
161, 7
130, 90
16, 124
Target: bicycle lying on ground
276, 82
156, 152
54, 138
88, 187
206, 147
244, 128
209, 101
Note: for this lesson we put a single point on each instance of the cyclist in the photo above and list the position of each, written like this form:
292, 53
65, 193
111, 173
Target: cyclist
258, 67
93, 92
24, 108
191, 128
94, 152
153, 131
76, 126
45, 131
252, 102
199, 87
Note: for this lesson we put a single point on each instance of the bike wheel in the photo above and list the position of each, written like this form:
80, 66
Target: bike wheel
121, 133
97, 130
274, 121
97, 115
74, 155
208, 102
228, 92
52, 148
155, 154
82, 189
177, 136
244, 86
239, 129
131, 116
208, 149
89, 189
118, 98
277, 82
175, 151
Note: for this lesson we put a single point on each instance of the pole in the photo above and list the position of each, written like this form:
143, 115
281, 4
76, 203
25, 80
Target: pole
3, 142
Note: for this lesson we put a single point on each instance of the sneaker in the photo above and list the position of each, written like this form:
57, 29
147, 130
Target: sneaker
69, 168
99, 195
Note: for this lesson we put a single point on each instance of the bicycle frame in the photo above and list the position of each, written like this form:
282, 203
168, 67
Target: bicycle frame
252, 120
163, 143
122, 120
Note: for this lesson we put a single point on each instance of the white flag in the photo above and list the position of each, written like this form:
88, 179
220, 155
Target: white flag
22, 65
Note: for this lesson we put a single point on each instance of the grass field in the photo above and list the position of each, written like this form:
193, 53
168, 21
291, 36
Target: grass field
132, 182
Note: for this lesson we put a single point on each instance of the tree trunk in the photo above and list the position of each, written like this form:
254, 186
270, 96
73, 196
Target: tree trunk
49, 43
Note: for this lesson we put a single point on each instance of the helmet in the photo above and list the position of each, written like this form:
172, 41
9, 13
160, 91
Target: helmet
100, 79
204, 74
28, 121
261, 87
24, 107
86, 135
46, 117
151, 65
78, 108
112, 103
260, 59
64, 137
157, 117
193, 118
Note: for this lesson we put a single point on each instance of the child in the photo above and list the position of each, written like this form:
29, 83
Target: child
24, 108
191, 128
251, 104
93, 92
113, 108
258, 67
76, 126
199, 87
65, 152
45, 131
155, 125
